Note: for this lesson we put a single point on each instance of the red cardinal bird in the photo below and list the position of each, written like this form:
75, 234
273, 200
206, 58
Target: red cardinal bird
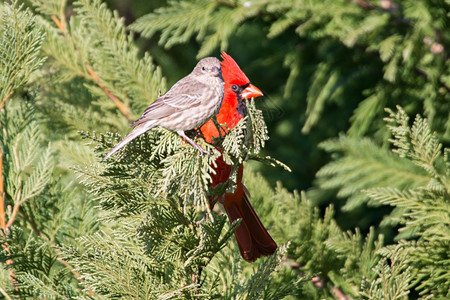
253, 239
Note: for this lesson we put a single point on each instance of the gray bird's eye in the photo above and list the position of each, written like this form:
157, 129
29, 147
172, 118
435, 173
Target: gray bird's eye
203, 68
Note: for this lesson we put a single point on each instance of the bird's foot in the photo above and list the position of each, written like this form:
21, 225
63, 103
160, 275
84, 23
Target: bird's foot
202, 151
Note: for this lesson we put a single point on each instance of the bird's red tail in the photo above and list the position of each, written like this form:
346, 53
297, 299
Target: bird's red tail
252, 237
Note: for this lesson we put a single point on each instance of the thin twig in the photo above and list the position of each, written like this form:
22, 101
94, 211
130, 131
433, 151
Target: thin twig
339, 294
58, 23
2, 195
75, 274
317, 281
196, 279
364, 4
123, 109
5, 294
3, 224
13, 215
8, 93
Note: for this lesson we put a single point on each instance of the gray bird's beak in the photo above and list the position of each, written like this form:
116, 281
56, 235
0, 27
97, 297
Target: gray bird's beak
215, 71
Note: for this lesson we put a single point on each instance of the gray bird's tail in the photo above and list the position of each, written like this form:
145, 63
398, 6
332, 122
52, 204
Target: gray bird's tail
137, 131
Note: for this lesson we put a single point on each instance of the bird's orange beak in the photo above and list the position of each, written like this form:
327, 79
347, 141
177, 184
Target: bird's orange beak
251, 92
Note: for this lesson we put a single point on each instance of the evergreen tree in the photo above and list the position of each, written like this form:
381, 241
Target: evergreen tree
139, 226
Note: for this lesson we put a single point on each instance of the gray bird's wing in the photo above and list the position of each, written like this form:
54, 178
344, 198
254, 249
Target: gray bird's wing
183, 95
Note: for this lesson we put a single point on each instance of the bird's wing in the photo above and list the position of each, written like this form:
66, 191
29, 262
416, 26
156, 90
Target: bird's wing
183, 95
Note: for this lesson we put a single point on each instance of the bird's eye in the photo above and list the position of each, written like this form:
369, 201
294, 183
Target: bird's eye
234, 87
203, 69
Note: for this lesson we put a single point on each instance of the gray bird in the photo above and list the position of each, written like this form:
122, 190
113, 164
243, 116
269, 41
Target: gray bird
190, 102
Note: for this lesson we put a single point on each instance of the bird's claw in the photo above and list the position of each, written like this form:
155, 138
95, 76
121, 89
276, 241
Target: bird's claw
203, 152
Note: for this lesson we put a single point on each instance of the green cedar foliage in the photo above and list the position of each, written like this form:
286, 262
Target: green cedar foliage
139, 226
419, 259
425, 209
20, 43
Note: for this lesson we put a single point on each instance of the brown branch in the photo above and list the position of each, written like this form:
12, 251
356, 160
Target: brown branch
75, 274
4, 229
69, 266
58, 23
13, 215
196, 279
4, 226
339, 294
49, 241
317, 281
47, 238
9, 262
60, 259
17, 203
123, 109
5, 294
8, 93
2, 195
364, 4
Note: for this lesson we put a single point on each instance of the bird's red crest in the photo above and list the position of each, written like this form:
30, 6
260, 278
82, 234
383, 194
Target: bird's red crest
231, 72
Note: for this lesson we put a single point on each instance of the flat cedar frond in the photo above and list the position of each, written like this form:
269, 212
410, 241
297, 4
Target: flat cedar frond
17, 119
255, 286
360, 164
50, 7
184, 13
324, 85
247, 137
121, 71
28, 166
36, 267
20, 43
175, 168
359, 256
393, 279
112, 268
425, 212
209, 21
